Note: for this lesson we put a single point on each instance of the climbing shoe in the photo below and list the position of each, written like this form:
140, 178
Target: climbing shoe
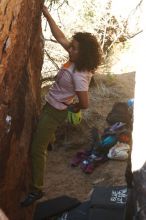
31, 198
79, 157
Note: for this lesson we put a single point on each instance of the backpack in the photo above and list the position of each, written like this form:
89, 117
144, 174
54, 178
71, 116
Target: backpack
120, 113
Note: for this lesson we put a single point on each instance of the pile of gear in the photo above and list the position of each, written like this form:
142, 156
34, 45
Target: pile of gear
113, 143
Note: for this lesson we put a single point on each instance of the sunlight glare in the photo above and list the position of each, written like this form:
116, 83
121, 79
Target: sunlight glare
139, 126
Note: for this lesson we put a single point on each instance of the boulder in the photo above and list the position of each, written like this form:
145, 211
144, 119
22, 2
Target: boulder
21, 58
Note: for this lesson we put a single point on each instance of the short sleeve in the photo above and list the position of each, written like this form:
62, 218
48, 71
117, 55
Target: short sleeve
82, 80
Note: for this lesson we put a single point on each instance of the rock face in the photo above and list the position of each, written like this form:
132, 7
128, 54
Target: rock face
21, 58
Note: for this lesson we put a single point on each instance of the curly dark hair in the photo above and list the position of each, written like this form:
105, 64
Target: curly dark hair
90, 53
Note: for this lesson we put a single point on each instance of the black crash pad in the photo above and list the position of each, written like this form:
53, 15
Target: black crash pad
53, 207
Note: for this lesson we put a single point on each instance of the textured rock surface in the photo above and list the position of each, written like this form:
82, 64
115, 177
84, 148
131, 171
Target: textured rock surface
20, 66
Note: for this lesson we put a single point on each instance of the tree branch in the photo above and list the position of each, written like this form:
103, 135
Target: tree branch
50, 58
135, 34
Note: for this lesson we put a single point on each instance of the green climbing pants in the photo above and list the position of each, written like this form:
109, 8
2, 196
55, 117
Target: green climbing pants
50, 119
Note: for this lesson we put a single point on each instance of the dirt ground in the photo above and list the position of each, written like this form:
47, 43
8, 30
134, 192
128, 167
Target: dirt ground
61, 178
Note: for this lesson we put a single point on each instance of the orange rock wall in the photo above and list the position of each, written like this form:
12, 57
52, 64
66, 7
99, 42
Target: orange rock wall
21, 58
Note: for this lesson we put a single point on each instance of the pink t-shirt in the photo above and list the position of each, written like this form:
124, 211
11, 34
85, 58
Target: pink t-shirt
67, 82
